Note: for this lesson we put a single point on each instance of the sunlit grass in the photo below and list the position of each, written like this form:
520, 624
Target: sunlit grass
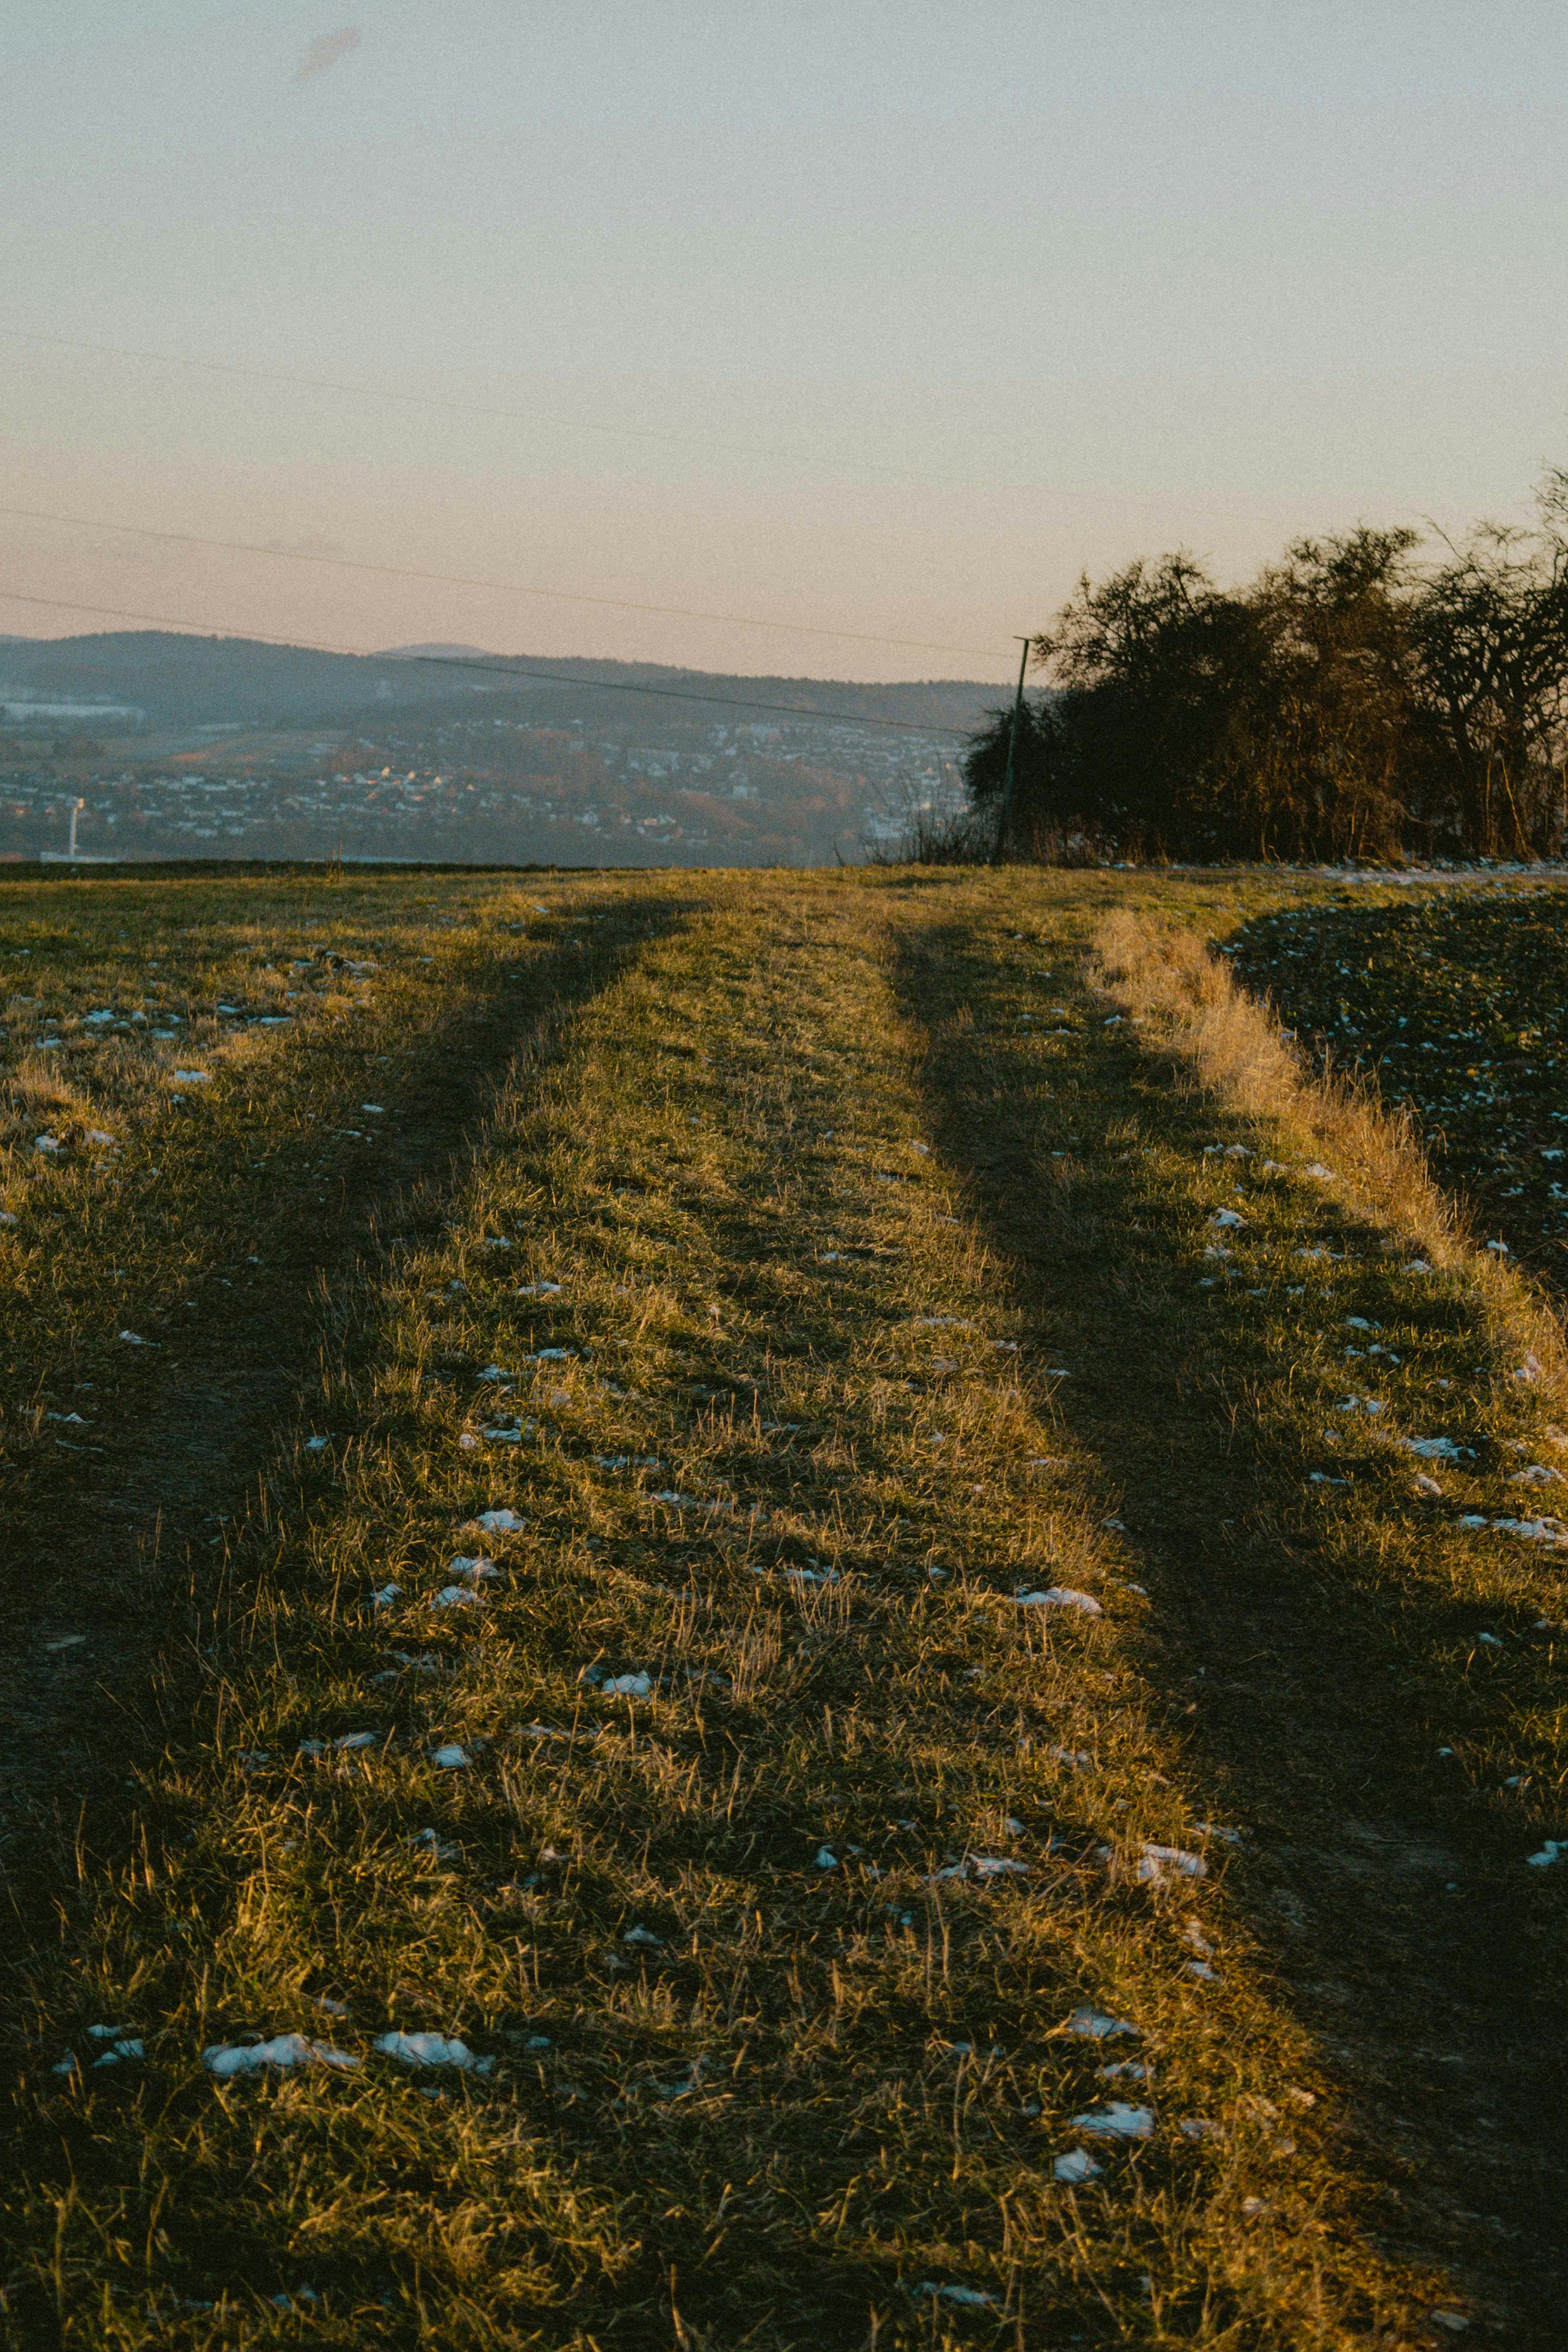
743, 1824
133, 1197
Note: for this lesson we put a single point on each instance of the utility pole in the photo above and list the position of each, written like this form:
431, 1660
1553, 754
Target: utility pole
1007, 816
76, 811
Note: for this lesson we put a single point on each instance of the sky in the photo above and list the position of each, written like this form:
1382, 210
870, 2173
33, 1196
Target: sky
866, 322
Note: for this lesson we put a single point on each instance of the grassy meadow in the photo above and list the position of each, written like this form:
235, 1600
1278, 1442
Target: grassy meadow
875, 1656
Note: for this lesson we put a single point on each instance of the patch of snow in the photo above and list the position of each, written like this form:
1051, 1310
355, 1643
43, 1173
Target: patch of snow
1097, 2027
1157, 1862
432, 2049
472, 1568
1116, 2120
227, 2059
113, 2056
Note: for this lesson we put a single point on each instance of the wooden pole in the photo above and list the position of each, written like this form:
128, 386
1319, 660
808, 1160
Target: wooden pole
1007, 816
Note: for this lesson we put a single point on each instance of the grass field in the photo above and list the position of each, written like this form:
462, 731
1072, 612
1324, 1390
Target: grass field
864, 1651
1456, 1005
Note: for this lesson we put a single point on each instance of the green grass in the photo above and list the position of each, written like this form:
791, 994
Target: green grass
881, 1304
136, 1201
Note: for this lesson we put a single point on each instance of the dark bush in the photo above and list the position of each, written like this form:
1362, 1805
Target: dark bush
1347, 704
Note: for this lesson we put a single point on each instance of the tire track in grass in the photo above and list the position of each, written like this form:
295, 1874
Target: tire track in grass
1243, 1337
120, 1542
786, 1884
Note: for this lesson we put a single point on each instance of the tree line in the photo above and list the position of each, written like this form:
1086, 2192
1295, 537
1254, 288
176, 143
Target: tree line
1359, 699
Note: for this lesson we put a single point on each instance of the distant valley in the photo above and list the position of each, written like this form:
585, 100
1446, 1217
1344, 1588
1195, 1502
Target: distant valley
198, 747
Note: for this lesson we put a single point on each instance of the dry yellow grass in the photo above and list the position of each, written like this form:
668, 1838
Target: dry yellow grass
1163, 974
888, 1289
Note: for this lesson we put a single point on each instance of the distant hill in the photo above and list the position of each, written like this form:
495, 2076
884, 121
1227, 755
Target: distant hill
440, 653
190, 682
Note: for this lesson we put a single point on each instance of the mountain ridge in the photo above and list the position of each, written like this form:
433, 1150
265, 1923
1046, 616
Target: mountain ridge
177, 679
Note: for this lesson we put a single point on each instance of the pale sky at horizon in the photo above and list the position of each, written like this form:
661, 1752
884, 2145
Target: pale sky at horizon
887, 318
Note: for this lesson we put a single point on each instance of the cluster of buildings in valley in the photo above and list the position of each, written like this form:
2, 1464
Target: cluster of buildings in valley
793, 789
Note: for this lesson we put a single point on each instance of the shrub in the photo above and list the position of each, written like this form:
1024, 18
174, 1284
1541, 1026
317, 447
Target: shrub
1347, 704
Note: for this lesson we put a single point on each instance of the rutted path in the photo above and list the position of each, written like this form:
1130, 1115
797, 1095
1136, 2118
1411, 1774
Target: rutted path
1407, 1933
117, 1556
799, 1794
776, 1818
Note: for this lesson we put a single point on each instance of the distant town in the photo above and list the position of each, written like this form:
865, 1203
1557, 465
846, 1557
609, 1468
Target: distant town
643, 784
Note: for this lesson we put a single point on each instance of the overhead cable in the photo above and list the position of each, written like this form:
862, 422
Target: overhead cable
501, 669
868, 467
499, 587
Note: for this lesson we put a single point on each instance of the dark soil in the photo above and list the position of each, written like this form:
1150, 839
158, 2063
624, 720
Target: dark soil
1455, 1006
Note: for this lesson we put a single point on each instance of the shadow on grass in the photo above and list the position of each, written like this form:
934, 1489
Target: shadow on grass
779, 2279
129, 1540
1304, 1677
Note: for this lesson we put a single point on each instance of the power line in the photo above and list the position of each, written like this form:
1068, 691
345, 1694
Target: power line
869, 467
501, 668
501, 587
444, 401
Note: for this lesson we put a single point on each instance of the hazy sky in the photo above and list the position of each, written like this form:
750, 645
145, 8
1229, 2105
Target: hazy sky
883, 318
